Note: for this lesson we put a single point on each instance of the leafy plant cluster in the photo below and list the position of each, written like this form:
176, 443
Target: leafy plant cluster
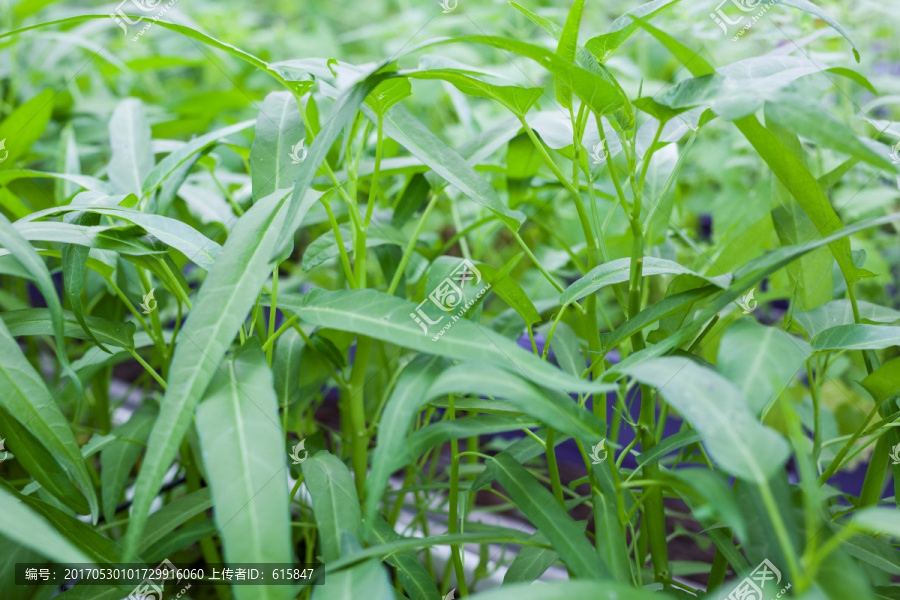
541, 293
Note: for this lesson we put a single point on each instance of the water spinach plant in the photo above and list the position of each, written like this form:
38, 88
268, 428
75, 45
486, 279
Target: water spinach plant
501, 301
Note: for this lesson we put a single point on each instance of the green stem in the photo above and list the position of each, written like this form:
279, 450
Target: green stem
271, 340
147, 367
538, 264
553, 468
345, 260
359, 442
420, 226
272, 312
453, 508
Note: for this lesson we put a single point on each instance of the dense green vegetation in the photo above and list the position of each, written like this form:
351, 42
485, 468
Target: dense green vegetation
447, 298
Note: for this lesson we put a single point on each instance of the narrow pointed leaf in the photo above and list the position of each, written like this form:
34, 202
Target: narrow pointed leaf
27, 400
385, 317
565, 49
129, 136
25, 526
617, 271
36, 321
857, 337
717, 410
279, 128
226, 296
242, 450
545, 513
334, 502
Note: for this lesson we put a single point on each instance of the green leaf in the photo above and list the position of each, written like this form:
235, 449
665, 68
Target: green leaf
876, 552
405, 401
405, 129
744, 278
552, 407
787, 167
96, 546
274, 163
797, 112
741, 88
711, 494
24, 127
28, 401
117, 460
599, 92
884, 382
230, 290
667, 445
565, 49
31, 262
601, 95
196, 247
37, 321
365, 580
334, 502
857, 337
164, 521
389, 93
25, 526
325, 247
544, 512
124, 240
882, 521
177, 160
190, 534
617, 271
840, 312
761, 361
38, 461
384, 317
74, 264
719, 412
501, 284
241, 443
624, 27
443, 431
611, 546
129, 137
299, 87
807, 6
530, 562
811, 275
414, 577
286, 366
667, 306
517, 100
